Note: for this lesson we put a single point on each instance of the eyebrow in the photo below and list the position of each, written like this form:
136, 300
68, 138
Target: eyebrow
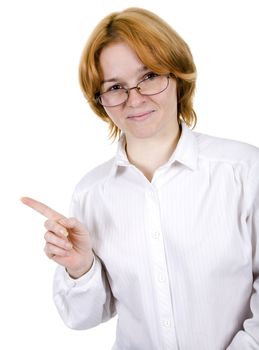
138, 71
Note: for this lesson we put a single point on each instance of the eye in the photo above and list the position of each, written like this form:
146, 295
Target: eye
150, 76
115, 87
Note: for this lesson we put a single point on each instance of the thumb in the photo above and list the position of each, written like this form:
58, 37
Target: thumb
74, 224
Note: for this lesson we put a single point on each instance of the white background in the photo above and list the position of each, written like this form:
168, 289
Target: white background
50, 138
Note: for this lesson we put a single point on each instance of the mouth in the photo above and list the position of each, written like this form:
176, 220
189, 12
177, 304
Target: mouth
140, 116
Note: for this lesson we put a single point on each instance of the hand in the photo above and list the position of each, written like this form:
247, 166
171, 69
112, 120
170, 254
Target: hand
67, 241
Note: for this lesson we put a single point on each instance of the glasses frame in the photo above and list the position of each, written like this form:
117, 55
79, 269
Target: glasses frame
127, 90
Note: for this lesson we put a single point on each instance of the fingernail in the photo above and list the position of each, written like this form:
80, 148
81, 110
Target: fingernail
63, 232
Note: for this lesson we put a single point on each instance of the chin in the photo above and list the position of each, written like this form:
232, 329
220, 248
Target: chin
143, 134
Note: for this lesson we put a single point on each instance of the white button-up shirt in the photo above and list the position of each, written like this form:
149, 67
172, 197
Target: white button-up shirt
177, 258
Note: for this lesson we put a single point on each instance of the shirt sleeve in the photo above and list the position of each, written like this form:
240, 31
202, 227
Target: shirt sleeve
87, 301
84, 302
248, 337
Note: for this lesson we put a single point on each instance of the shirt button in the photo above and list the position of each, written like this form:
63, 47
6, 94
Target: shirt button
156, 235
166, 323
72, 284
161, 278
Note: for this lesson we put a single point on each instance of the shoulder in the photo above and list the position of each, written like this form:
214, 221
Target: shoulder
96, 176
226, 150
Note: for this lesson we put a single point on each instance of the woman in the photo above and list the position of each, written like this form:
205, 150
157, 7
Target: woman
165, 234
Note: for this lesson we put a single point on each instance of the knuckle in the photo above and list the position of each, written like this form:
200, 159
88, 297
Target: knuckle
46, 223
46, 235
73, 221
46, 249
49, 237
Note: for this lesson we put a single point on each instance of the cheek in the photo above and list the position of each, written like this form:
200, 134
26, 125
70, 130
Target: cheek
114, 114
167, 98
170, 99
161, 102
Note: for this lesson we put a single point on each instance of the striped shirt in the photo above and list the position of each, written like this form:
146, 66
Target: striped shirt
177, 258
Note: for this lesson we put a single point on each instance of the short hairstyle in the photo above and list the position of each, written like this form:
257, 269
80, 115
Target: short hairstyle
156, 44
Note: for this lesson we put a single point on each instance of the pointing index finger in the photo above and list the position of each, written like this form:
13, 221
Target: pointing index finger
41, 208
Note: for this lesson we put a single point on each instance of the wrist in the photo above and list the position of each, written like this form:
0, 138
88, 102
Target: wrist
77, 273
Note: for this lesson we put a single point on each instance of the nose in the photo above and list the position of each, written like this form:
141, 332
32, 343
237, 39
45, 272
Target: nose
134, 97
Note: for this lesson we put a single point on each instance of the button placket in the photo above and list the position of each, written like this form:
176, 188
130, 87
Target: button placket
160, 273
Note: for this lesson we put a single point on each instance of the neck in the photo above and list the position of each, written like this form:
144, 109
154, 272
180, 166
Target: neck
150, 153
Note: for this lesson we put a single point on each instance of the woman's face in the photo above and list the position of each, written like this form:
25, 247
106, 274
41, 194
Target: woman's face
140, 116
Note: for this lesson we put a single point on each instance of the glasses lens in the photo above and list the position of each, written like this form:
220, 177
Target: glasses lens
113, 98
153, 85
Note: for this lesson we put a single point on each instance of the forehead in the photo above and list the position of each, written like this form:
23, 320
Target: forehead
120, 61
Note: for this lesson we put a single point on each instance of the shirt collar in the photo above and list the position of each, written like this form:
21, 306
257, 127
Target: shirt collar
121, 158
186, 151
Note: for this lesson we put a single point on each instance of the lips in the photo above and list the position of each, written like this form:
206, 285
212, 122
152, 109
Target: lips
140, 116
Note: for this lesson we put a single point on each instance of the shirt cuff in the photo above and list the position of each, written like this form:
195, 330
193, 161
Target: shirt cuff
73, 282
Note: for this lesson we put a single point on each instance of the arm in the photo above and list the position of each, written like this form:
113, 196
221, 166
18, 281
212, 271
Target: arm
81, 289
248, 338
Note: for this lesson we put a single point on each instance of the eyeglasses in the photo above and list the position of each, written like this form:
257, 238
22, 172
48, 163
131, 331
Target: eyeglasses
152, 84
